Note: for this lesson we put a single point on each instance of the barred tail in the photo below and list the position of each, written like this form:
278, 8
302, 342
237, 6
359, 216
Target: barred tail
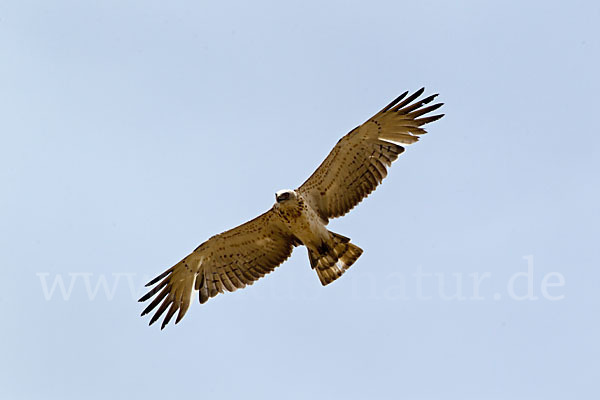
333, 259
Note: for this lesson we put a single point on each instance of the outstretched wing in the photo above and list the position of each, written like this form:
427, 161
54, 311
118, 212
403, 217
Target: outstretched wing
359, 161
225, 262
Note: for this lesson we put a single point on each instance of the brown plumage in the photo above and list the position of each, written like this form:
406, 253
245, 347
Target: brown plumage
359, 161
242, 255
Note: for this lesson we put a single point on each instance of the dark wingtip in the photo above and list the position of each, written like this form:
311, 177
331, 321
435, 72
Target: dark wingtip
155, 318
147, 310
165, 322
144, 297
427, 100
435, 106
396, 100
158, 278
408, 100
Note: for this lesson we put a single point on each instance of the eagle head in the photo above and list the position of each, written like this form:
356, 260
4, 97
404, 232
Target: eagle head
285, 195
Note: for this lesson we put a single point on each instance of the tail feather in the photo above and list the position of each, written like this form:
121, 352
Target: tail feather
332, 260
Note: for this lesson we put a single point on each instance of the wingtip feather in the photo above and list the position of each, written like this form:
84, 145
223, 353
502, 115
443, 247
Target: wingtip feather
396, 100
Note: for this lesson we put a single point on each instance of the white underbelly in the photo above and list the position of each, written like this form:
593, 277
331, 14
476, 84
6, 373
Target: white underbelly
310, 230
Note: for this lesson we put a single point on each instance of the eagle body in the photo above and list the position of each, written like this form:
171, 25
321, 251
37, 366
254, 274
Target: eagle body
329, 253
356, 165
301, 219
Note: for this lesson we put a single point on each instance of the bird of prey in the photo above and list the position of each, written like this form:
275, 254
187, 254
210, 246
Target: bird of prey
353, 169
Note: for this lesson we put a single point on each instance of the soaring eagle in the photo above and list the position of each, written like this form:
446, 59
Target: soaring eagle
353, 169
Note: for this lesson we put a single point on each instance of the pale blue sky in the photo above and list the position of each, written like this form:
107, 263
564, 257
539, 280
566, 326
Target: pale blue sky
131, 131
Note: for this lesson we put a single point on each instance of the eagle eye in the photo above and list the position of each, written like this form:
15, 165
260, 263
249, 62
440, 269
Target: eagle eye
283, 196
